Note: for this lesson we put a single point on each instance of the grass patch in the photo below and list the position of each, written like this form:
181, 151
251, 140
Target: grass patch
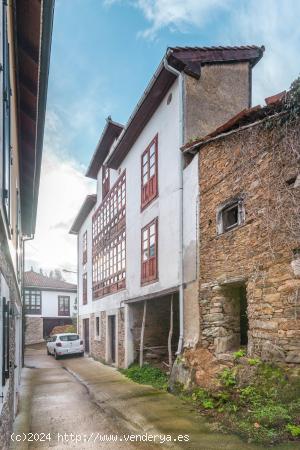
266, 410
147, 375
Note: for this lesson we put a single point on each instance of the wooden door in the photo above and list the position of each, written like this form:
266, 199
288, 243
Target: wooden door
112, 338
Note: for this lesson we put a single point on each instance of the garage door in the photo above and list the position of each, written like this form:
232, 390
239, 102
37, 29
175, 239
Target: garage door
49, 324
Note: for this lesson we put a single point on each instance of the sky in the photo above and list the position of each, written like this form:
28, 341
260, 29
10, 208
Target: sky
104, 53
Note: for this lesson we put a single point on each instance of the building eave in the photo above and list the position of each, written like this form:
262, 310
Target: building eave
86, 207
111, 132
33, 26
189, 60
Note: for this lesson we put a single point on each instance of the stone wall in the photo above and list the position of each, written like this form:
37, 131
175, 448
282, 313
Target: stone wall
97, 349
222, 91
261, 253
9, 401
33, 330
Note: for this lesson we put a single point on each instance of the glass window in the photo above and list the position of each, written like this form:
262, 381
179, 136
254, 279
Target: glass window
149, 252
32, 301
63, 305
149, 181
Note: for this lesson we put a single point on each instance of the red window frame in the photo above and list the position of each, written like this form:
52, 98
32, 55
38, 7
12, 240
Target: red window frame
63, 305
105, 181
109, 218
149, 173
149, 252
109, 242
84, 288
84, 248
109, 267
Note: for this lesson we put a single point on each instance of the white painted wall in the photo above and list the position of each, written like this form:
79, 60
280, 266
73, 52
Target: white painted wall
50, 304
86, 226
165, 123
190, 220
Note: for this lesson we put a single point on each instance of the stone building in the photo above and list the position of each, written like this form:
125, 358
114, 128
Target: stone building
26, 28
137, 238
48, 302
249, 246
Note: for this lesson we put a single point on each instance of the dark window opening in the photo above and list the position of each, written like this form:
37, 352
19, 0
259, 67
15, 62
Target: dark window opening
235, 308
63, 305
230, 217
296, 253
244, 325
291, 181
33, 301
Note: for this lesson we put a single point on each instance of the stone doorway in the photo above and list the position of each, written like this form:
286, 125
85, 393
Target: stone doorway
233, 333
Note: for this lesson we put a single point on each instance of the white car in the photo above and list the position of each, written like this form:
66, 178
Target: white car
65, 344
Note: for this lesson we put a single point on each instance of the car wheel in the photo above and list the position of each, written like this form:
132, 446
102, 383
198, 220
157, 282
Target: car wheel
56, 355
48, 353
81, 354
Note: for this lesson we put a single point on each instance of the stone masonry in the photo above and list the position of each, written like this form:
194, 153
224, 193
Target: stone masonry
97, 349
249, 246
33, 330
7, 403
256, 262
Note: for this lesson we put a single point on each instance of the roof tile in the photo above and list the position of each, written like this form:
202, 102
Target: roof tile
34, 279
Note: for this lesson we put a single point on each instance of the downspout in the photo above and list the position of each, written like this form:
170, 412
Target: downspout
181, 166
77, 283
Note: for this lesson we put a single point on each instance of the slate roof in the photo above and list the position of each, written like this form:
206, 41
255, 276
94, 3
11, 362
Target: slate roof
37, 280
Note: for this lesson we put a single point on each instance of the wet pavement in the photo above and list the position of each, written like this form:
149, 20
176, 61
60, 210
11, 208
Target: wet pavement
80, 403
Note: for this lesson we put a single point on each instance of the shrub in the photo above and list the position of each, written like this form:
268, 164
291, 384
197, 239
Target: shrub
254, 361
293, 429
239, 354
147, 375
228, 378
272, 415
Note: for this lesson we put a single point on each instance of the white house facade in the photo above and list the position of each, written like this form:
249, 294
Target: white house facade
48, 303
137, 237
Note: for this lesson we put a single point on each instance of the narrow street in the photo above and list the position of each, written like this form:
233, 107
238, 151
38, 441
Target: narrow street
89, 399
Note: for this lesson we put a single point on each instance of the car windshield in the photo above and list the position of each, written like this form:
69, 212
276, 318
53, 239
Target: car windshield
69, 337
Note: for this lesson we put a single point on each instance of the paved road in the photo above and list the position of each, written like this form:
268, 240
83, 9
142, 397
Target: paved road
86, 398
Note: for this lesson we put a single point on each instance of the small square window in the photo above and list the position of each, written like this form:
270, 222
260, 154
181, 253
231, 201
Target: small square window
230, 216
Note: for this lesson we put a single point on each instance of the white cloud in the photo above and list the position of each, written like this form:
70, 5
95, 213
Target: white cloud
273, 23
63, 188
177, 14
